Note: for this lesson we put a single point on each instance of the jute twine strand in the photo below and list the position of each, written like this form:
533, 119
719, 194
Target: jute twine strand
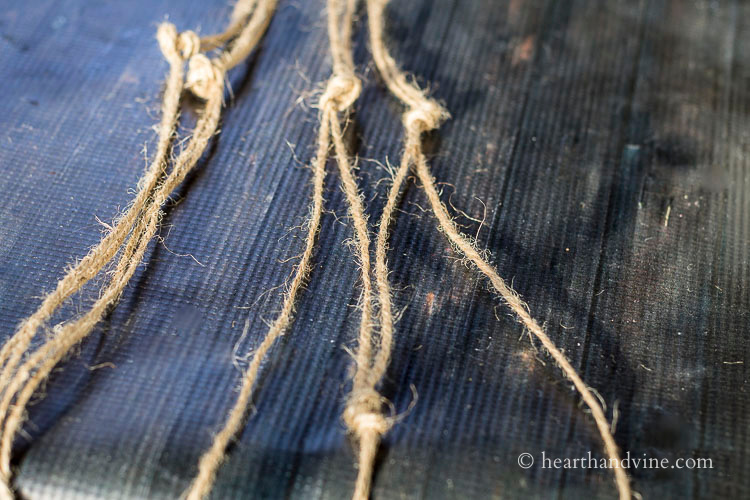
211, 460
97, 258
238, 19
205, 78
41, 362
423, 115
173, 47
341, 92
363, 413
105, 250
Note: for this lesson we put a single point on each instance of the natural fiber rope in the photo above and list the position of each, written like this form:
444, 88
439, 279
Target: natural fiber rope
341, 92
36, 369
211, 459
238, 19
205, 79
100, 255
172, 45
423, 115
38, 366
105, 250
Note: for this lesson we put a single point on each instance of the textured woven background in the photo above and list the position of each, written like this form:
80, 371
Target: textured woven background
578, 124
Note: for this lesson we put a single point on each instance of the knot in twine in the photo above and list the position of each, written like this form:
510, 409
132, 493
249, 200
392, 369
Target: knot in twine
363, 414
341, 92
189, 44
177, 45
167, 36
203, 76
425, 116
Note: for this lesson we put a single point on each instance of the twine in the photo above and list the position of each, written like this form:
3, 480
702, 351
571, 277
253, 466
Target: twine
205, 78
341, 91
422, 115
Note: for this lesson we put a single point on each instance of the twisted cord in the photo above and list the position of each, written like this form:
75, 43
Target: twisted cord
340, 93
205, 78
422, 115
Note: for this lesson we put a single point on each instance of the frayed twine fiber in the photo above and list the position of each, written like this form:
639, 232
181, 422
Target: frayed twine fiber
423, 115
341, 91
205, 79
363, 414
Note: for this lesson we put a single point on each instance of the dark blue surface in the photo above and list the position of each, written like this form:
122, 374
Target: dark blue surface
576, 123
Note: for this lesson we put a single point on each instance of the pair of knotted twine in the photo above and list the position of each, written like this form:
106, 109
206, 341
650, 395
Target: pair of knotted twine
23, 371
